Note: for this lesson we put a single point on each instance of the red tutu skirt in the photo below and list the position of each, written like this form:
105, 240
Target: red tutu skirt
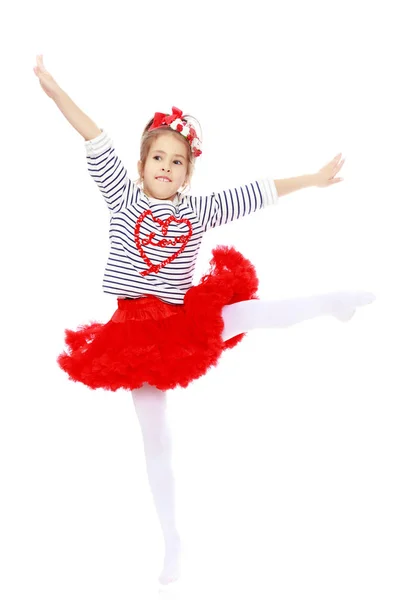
164, 345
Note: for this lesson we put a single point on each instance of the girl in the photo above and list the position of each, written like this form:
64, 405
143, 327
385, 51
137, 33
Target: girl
167, 332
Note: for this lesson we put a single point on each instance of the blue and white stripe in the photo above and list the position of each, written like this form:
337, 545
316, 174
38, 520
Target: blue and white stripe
127, 202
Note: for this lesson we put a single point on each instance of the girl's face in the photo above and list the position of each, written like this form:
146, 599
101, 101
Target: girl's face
165, 168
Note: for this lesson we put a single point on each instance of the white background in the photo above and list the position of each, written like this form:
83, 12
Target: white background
286, 456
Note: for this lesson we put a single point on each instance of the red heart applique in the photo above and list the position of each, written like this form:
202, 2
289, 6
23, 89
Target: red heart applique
182, 239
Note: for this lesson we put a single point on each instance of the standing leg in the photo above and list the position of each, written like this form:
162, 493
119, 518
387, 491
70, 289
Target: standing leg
253, 314
151, 409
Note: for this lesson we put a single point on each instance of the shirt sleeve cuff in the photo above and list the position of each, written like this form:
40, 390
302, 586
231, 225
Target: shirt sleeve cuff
270, 191
98, 144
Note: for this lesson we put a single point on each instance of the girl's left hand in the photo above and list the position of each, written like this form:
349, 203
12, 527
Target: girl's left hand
326, 175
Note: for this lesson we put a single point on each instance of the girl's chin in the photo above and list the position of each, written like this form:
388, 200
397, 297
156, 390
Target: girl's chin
162, 191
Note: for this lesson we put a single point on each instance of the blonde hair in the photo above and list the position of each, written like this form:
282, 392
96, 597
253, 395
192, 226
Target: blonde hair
149, 136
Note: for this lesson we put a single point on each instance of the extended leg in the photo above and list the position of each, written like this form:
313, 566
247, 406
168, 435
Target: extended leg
253, 314
151, 409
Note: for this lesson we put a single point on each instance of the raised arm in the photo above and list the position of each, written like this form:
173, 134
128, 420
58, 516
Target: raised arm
104, 165
78, 119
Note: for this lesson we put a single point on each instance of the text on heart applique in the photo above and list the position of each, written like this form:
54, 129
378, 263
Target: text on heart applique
148, 240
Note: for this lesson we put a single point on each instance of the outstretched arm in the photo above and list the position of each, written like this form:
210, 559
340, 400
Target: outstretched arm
323, 178
220, 208
78, 119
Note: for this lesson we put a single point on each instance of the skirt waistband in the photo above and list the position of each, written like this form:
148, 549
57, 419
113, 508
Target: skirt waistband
140, 309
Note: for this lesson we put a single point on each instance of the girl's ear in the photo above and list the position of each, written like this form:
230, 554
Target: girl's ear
186, 184
188, 179
140, 169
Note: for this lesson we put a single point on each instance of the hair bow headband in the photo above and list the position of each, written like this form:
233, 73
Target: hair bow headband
177, 123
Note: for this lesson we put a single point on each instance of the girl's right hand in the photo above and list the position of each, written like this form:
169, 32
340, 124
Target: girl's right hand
46, 80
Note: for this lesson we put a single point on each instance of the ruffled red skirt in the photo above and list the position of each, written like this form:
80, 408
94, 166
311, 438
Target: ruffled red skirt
164, 345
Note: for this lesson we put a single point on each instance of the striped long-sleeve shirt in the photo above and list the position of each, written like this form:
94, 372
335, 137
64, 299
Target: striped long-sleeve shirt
154, 243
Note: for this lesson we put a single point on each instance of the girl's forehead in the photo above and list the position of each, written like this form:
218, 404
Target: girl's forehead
169, 142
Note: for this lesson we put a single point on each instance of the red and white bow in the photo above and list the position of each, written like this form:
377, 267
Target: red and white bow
177, 123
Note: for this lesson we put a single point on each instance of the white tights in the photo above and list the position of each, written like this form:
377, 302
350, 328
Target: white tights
151, 407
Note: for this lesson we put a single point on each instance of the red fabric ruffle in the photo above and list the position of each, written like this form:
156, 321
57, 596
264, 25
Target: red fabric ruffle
149, 341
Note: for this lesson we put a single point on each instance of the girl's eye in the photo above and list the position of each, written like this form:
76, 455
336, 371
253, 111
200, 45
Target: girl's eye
175, 161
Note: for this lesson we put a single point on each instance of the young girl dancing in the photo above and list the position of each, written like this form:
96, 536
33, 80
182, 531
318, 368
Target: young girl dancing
166, 332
